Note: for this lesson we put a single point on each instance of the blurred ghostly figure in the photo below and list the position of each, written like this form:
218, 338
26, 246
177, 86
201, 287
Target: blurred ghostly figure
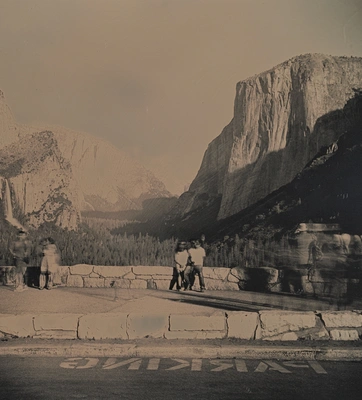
49, 264
355, 246
296, 275
21, 251
181, 257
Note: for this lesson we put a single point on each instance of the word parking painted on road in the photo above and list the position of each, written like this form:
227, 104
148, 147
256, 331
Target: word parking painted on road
195, 364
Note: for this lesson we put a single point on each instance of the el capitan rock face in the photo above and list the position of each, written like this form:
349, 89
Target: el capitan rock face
327, 191
273, 134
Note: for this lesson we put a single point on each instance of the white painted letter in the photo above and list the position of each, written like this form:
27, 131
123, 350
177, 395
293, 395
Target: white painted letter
183, 364
153, 364
112, 363
317, 367
222, 365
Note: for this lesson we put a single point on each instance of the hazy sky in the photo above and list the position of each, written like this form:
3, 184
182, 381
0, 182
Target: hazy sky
156, 77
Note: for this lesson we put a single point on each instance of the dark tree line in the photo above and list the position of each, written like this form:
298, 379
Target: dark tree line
98, 246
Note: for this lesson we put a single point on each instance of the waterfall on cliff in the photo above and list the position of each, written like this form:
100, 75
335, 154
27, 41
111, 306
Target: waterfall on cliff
9, 208
8, 205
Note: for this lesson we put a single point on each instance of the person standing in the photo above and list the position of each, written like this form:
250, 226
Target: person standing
181, 258
197, 255
49, 264
21, 251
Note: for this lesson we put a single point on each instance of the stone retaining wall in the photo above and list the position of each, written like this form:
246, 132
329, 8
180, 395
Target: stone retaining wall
323, 282
263, 279
262, 325
138, 277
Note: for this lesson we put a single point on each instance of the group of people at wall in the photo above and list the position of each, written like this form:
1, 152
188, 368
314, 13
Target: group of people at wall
189, 261
326, 252
21, 250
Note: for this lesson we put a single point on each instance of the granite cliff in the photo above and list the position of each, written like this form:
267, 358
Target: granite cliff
328, 190
108, 179
274, 132
37, 183
90, 173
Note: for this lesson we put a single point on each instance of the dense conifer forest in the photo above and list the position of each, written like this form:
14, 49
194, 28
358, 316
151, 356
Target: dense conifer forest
96, 245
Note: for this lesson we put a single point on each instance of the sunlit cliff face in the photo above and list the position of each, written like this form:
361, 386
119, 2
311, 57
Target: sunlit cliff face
274, 132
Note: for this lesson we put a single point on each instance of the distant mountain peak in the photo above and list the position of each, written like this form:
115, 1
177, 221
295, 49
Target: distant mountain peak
104, 177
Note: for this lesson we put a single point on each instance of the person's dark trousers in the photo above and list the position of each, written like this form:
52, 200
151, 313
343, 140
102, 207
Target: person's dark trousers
189, 276
198, 271
192, 278
173, 281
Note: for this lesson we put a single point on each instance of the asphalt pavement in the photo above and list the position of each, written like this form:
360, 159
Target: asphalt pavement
138, 378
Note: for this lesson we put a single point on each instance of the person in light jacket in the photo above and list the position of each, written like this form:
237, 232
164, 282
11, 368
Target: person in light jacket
197, 255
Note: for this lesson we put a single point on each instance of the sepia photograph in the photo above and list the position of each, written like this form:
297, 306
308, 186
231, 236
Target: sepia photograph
180, 199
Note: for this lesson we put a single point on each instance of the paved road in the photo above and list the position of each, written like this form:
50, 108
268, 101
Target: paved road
154, 378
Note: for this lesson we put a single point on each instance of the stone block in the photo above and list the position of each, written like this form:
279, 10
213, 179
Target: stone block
130, 275
49, 334
232, 278
93, 275
212, 284
242, 325
267, 274
342, 319
17, 325
344, 334
153, 270
147, 325
275, 288
277, 322
216, 273
289, 336
195, 334
75, 281
144, 277
81, 269
111, 271
319, 332
198, 322
151, 284
63, 270
162, 284
138, 284
65, 322
103, 326
93, 282
239, 273
117, 282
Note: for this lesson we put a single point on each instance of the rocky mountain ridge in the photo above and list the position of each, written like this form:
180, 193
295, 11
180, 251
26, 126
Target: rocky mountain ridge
97, 177
106, 176
274, 132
